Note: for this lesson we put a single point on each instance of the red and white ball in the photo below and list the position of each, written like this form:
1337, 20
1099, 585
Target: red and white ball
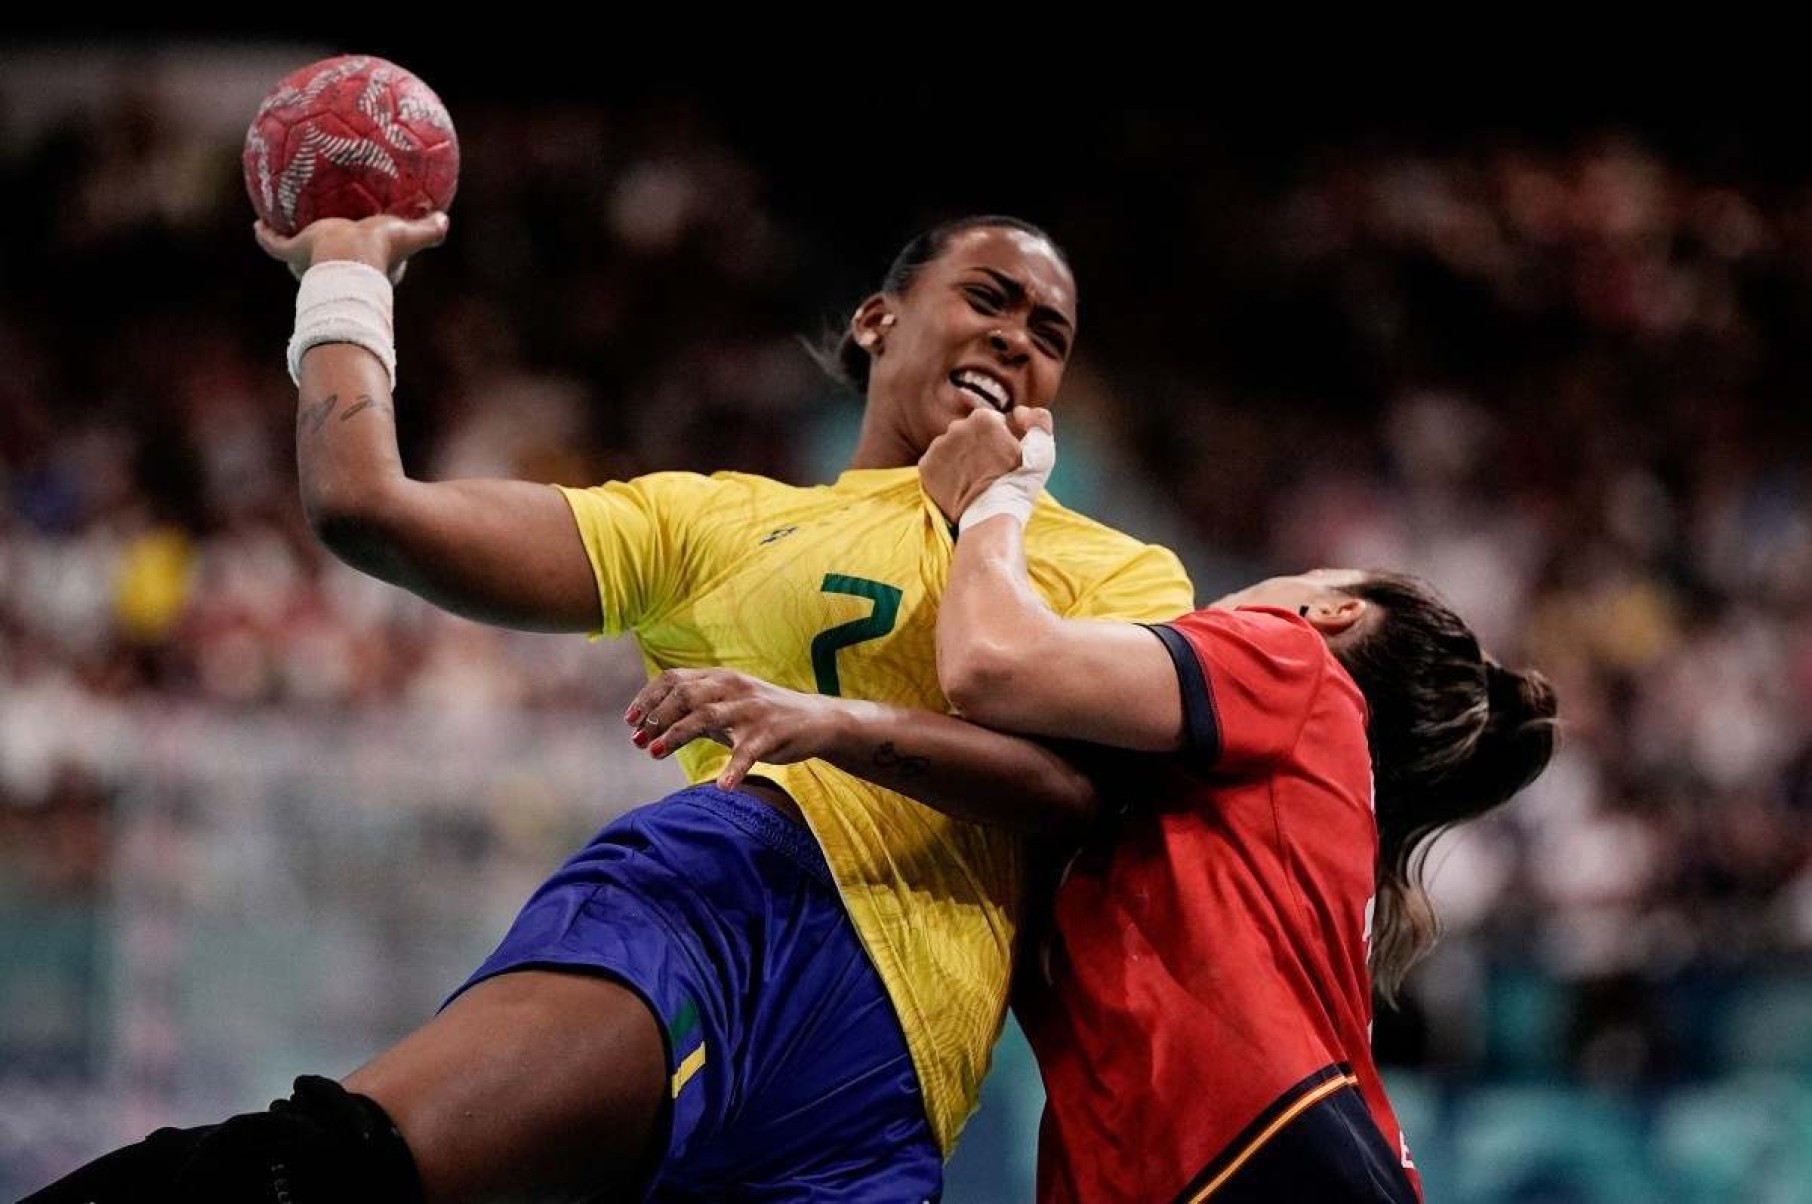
350, 136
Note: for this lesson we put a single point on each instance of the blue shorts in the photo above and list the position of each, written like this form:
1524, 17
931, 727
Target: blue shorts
790, 1075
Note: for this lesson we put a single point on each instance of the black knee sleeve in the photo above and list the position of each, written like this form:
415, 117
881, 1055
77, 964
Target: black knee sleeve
322, 1145
141, 1171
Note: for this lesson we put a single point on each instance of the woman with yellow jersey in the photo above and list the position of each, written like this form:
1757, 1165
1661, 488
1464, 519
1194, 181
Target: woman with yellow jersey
787, 990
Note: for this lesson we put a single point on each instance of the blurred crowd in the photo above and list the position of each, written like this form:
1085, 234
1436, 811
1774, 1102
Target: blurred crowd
1561, 378
1590, 431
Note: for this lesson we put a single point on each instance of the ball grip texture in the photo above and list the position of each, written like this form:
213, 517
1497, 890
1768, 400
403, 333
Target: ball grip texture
350, 136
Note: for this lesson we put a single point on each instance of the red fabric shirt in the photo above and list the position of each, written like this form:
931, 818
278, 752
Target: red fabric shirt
1210, 949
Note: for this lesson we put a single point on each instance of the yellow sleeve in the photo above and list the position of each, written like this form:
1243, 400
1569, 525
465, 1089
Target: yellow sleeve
1148, 587
645, 542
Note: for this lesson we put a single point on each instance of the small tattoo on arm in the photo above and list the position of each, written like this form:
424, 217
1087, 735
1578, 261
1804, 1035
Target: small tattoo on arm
907, 765
365, 403
313, 416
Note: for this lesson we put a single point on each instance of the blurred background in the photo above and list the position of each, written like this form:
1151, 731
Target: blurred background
258, 814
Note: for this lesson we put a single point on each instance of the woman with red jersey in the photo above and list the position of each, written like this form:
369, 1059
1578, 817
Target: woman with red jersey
1207, 1031
1203, 1012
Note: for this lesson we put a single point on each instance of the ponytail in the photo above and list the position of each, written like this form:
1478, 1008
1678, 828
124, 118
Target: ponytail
1453, 734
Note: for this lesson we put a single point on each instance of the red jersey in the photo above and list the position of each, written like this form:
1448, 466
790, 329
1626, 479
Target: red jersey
1209, 1001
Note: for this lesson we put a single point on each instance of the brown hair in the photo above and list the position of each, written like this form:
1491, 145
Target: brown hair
1452, 734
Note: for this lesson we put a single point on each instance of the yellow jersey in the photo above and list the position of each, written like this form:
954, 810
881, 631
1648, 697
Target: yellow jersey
834, 590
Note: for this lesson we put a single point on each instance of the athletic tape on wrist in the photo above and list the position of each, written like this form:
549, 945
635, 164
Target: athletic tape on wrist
1017, 492
341, 301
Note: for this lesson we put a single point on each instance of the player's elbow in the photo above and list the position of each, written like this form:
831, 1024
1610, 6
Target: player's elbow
1073, 802
357, 526
980, 674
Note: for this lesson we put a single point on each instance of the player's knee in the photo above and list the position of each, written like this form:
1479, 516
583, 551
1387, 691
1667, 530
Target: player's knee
128, 1173
323, 1143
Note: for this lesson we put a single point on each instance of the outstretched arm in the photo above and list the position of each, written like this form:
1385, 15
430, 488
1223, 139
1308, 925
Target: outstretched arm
1004, 659
960, 769
503, 552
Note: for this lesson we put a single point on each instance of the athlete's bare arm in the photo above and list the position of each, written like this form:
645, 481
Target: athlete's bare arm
958, 768
1004, 658
503, 552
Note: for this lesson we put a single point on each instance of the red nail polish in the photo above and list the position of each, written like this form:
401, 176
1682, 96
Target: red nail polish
632, 716
658, 749
640, 739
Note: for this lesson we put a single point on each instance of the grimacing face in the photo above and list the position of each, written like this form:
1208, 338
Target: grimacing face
990, 322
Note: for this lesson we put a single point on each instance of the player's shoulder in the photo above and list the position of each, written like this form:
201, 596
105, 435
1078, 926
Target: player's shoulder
850, 483
673, 496
1087, 569
712, 488
1260, 626
748, 482
1272, 654
1052, 519
1277, 643
902, 481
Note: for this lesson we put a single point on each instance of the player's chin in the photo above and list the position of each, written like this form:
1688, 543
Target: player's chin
933, 419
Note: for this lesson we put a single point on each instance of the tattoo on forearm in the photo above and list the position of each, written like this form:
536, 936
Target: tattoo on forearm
905, 764
313, 416
365, 403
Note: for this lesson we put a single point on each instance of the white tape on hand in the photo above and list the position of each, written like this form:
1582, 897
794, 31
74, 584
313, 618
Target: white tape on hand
1016, 492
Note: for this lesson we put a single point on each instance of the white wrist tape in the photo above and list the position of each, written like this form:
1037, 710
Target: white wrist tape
341, 301
1016, 492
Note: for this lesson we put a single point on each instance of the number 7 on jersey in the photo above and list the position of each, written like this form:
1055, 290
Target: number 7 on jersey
878, 623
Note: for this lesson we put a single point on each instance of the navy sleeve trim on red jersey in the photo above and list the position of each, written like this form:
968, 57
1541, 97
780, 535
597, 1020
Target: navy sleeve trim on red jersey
1317, 1141
1199, 717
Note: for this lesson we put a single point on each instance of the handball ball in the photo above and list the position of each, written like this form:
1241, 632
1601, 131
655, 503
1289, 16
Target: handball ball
351, 136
